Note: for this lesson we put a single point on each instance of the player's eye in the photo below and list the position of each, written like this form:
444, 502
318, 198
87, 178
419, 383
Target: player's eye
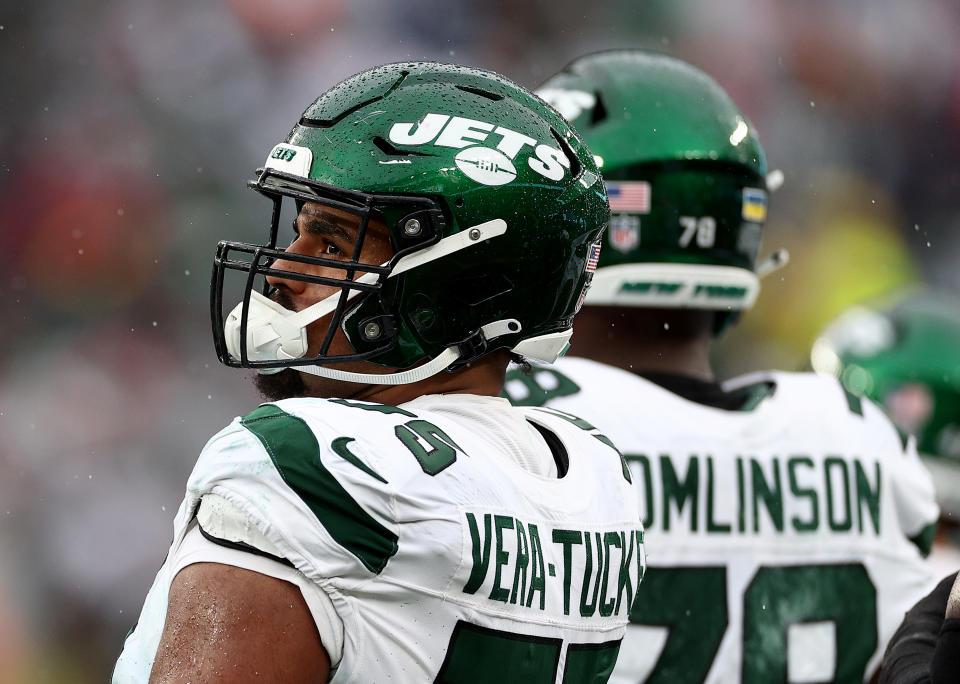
332, 249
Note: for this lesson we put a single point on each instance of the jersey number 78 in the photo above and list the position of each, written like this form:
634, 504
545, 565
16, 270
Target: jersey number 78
692, 603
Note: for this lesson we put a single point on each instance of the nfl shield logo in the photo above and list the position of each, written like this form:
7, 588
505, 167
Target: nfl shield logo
624, 232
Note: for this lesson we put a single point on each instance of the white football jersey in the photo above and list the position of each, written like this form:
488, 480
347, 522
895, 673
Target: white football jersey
444, 558
782, 539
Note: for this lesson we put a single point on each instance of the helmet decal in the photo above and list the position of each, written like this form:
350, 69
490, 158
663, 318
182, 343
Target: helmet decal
489, 163
570, 103
754, 205
486, 166
629, 196
624, 232
291, 159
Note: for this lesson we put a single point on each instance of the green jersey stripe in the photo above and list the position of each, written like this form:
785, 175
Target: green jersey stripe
295, 453
853, 401
923, 540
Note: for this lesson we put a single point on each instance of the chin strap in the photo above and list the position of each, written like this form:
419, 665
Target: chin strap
446, 358
546, 348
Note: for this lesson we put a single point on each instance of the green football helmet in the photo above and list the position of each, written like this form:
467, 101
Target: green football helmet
685, 175
905, 356
494, 208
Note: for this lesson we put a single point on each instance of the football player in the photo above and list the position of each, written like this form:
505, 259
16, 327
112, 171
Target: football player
388, 517
786, 518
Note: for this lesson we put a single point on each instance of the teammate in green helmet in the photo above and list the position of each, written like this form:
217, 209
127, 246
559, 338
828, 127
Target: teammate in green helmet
685, 175
388, 517
789, 520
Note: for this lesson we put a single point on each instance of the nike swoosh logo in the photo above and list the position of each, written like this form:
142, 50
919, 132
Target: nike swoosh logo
339, 445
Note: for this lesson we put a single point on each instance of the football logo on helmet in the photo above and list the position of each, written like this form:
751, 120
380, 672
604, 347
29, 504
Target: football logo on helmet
486, 166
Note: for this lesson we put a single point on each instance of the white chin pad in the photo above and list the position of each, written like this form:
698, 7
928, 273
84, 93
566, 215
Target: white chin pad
271, 333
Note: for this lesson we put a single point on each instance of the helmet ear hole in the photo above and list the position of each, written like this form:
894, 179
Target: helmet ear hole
599, 111
574, 161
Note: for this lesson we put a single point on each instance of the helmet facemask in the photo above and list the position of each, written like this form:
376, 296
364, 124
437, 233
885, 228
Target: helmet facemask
259, 333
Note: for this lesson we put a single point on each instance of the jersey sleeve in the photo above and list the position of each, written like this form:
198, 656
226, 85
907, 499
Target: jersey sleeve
911, 483
329, 517
198, 546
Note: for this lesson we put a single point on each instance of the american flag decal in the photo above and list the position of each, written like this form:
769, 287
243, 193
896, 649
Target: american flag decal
593, 257
583, 295
631, 197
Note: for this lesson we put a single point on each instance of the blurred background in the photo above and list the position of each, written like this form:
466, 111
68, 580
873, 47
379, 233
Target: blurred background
129, 127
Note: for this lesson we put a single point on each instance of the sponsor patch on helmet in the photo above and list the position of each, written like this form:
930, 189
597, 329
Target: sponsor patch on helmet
754, 205
486, 165
629, 196
624, 232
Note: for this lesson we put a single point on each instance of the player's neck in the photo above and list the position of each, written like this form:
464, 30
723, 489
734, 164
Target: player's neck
636, 345
688, 360
484, 378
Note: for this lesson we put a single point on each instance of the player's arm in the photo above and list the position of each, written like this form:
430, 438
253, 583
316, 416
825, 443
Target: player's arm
911, 650
946, 659
226, 623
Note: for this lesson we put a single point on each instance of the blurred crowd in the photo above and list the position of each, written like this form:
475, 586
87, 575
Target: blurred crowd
129, 128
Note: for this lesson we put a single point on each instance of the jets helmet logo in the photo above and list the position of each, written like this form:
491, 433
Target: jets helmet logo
570, 103
479, 158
